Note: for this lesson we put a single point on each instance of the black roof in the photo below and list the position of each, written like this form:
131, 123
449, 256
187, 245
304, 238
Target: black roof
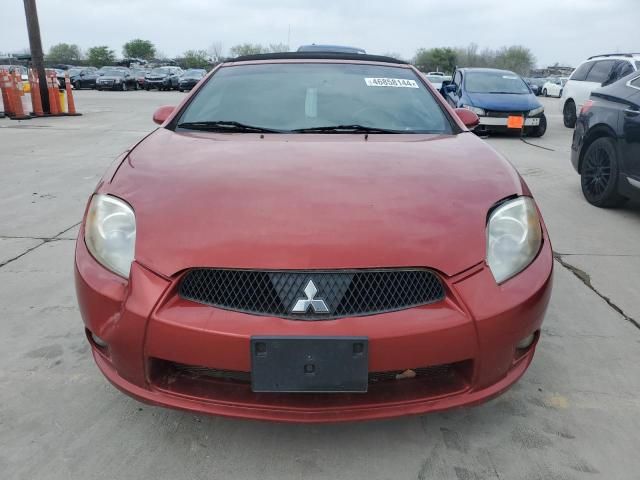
317, 56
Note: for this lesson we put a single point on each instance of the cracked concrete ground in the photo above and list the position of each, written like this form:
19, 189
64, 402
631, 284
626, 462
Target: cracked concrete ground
574, 415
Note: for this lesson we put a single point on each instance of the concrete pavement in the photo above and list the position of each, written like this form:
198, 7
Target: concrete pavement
574, 415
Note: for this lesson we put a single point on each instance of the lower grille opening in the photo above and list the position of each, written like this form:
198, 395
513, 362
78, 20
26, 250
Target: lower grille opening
214, 384
171, 370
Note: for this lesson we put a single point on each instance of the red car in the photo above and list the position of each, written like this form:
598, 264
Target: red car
313, 237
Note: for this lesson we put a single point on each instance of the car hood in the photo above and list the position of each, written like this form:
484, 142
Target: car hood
158, 76
504, 101
311, 201
110, 77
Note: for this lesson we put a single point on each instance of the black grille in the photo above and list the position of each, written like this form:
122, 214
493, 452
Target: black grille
493, 113
435, 373
345, 293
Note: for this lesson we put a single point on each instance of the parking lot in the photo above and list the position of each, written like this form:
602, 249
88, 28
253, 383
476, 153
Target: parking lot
575, 414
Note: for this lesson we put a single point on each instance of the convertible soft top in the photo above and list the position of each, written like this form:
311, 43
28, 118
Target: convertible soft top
316, 56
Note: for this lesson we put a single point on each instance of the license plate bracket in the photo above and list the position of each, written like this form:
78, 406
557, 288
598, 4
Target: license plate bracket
309, 364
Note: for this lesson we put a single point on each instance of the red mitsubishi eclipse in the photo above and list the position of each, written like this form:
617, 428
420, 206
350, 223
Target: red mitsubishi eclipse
313, 237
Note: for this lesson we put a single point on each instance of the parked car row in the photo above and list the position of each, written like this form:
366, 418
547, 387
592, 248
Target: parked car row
123, 78
601, 99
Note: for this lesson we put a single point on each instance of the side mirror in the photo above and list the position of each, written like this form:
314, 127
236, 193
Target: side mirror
82, 74
162, 113
469, 118
451, 88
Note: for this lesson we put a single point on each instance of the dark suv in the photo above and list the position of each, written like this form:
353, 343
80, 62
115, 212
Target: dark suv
606, 143
163, 78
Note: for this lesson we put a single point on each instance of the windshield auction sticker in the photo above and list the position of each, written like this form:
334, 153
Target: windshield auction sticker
391, 82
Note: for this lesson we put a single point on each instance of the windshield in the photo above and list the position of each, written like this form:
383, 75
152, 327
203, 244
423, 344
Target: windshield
160, 71
495, 82
288, 97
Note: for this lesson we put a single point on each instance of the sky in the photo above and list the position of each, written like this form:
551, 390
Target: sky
564, 31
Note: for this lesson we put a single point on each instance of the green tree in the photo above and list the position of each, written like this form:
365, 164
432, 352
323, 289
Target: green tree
246, 49
138, 48
277, 47
195, 59
216, 52
515, 58
440, 59
64, 53
100, 56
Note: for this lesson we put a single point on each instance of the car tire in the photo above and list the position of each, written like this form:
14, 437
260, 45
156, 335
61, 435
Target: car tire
544, 93
599, 174
569, 115
560, 94
123, 87
76, 85
540, 129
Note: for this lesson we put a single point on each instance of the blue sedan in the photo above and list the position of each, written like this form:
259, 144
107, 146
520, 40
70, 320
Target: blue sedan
502, 99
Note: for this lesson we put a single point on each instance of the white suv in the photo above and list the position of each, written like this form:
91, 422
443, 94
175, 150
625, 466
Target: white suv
597, 71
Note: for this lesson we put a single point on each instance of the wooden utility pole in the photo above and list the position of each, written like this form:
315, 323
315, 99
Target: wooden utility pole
35, 44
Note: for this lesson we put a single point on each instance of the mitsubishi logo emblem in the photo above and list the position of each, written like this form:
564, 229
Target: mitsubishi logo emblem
317, 304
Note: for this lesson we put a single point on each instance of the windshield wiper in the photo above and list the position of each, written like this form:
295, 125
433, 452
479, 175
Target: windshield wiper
225, 126
346, 129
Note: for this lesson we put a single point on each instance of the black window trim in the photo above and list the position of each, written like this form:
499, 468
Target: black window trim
591, 64
634, 79
612, 63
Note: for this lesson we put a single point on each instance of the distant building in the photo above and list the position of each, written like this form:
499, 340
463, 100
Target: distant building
552, 71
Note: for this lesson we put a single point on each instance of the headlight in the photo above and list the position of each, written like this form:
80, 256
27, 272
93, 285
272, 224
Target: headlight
476, 110
514, 236
536, 111
110, 233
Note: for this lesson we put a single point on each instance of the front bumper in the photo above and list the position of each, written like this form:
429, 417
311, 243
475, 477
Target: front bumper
502, 121
109, 86
476, 328
154, 83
